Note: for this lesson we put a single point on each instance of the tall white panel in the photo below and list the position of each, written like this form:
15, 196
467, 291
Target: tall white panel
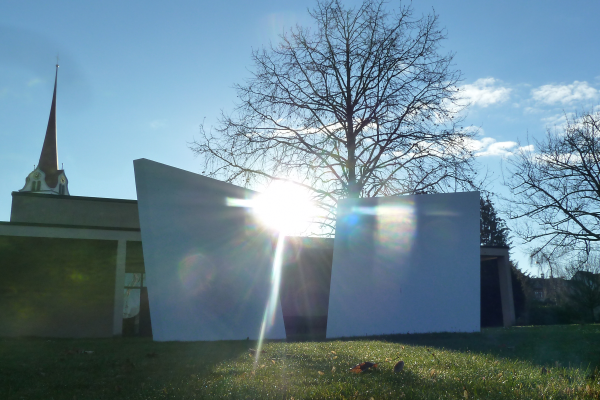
407, 264
208, 264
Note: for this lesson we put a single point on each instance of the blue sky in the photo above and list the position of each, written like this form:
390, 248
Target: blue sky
137, 78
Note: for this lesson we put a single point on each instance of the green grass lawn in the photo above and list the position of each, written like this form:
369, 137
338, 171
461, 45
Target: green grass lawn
494, 364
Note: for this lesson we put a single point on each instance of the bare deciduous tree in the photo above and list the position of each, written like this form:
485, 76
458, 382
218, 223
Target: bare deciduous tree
361, 105
558, 189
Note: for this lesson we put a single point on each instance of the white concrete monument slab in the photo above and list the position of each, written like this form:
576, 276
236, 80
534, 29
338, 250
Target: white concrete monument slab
208, 265
407, 264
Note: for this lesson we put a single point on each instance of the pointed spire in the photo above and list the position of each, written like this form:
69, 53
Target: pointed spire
49, 156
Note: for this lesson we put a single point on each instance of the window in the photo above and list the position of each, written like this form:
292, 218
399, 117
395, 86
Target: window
131, 296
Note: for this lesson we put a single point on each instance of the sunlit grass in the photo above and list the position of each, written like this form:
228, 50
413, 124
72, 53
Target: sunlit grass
496, 364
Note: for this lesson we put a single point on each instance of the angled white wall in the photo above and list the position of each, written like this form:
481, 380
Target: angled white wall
407, 264
208, 265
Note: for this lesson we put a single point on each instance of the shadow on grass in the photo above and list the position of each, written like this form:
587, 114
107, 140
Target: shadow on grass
105, 368
575, 346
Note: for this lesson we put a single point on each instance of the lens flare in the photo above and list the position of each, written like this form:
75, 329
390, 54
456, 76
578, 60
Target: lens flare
285, 207
196, 273
271, 308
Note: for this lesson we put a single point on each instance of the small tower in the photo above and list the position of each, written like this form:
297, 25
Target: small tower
46, 177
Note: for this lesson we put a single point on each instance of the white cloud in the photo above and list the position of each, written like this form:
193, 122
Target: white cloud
528, 148
559, 120
565, 94
34, 82
490, 147
484, 92
158, 124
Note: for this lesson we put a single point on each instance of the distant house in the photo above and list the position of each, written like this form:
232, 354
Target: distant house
548, 290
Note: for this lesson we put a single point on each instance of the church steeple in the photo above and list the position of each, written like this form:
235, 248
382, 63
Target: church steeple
46, 177
49, 156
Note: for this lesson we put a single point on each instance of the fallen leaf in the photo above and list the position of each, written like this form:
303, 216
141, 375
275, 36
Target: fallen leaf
321, 372
333, 352
358, 368
273, 361
332, 370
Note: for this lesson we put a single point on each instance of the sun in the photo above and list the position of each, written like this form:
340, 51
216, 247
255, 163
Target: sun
285, 207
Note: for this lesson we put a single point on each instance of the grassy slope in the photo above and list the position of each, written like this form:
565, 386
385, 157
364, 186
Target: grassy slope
497, 363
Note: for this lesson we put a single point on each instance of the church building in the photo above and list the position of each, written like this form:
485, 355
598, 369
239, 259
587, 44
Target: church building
71, 266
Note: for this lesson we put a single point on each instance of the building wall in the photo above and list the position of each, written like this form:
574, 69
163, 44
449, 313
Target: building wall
209, 265
406, 264
305, 280
38, 208
57, 287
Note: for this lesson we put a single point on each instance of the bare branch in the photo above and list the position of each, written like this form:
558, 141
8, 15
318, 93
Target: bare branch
363, 105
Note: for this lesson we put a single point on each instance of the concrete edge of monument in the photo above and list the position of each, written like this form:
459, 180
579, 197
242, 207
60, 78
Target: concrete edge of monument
406, 264
208, 264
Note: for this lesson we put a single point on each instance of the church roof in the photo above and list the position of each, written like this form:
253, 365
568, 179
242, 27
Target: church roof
49, 156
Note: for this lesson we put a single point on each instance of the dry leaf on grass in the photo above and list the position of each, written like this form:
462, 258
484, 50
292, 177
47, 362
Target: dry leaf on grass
358, 368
